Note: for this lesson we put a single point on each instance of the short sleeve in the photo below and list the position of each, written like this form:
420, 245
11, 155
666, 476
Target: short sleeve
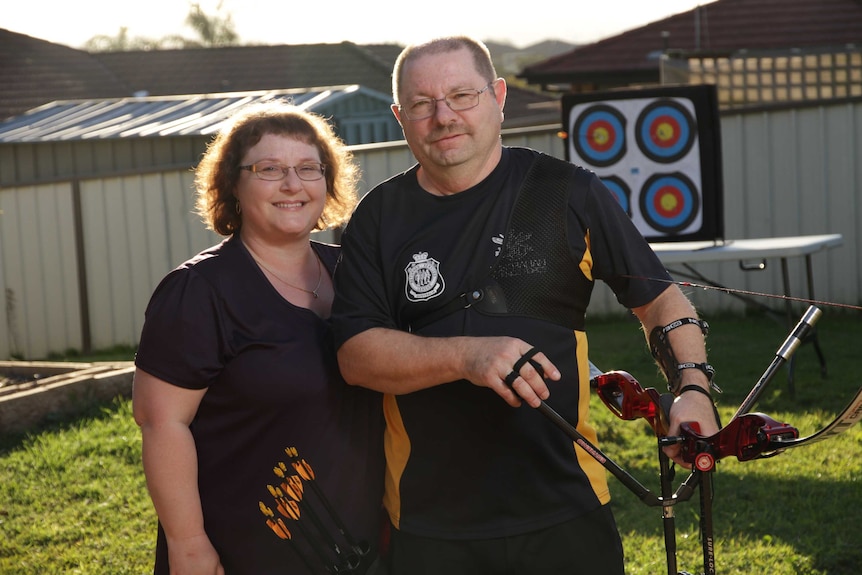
622, 257
360, 290
181, 341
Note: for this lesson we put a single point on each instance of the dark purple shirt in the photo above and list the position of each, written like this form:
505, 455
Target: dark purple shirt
270, 372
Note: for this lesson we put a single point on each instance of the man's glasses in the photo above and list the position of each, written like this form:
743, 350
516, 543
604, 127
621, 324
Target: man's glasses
274, 172
457, 101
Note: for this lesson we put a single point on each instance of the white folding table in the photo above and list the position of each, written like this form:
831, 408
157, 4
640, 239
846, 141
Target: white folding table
752, 254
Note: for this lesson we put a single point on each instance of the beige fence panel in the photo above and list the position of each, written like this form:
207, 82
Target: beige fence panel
136, 229
793, 171
380, 162
39, 269
5, 327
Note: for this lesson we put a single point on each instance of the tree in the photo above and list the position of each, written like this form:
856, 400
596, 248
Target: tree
119, 43
212, 31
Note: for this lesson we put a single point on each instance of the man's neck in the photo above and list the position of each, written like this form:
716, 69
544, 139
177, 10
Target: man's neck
450, 180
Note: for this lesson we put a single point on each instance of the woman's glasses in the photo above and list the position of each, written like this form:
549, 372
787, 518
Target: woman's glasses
274, 172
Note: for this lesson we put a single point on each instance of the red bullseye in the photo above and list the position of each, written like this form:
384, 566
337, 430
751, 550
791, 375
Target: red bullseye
668, 202
601, 135
665, 131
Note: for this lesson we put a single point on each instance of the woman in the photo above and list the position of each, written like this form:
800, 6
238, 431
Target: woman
258, 458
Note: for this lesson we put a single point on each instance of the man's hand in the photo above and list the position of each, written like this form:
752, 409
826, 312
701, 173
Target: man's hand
397, 362
691, 406
488, 361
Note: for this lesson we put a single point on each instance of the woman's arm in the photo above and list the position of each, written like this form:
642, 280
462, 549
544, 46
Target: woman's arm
164, 412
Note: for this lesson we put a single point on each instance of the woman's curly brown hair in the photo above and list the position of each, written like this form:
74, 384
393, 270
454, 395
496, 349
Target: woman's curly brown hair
217, 173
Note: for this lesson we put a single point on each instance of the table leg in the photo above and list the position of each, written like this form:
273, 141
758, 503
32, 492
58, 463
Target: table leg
814, 339
791, 363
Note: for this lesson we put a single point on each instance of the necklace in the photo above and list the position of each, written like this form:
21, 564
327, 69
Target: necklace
287, 283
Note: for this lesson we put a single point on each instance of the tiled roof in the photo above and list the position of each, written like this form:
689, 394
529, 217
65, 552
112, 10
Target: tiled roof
530, 108
33, 72
238, 68
721, 26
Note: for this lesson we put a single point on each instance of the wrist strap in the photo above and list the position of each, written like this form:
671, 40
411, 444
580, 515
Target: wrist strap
694, 387
705, 368
699, 389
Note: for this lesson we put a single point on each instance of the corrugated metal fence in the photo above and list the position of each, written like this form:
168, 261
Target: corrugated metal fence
79, 259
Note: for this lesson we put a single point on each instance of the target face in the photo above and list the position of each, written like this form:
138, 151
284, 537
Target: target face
657, 150
621, 192
665, 131
599, 135
669, 202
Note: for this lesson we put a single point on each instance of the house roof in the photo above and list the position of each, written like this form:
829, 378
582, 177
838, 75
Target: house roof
241, 68
151, 116
723, 26
33, 72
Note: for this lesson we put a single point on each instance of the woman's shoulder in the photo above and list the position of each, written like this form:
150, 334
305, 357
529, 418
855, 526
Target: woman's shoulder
207, 255
209, 265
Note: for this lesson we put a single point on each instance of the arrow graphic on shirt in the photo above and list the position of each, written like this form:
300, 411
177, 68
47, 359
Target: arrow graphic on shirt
289, 497
280, 529
306, 472
290, 500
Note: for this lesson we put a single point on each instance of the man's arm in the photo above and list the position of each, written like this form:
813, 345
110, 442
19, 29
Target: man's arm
688, 345
397, 362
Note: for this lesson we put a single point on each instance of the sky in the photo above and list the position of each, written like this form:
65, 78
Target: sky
330, 21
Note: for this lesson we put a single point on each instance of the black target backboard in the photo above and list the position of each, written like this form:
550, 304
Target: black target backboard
658, 150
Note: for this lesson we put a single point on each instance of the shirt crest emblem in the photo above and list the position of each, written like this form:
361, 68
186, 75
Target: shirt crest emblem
424, 280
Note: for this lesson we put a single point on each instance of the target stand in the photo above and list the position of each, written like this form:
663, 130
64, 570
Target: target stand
658, 150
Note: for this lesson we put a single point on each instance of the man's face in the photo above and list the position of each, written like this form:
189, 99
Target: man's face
449, 138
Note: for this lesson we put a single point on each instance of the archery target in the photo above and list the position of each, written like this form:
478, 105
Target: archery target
657, 150
669, 202
620, 191
665, 131
600, 135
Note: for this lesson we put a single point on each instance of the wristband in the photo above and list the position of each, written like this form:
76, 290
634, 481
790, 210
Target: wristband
699, 389
705, 368
696, 388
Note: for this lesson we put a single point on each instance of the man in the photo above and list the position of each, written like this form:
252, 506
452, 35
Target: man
469, 276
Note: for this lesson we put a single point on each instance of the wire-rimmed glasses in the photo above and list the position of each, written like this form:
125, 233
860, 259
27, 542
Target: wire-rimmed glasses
308, 172
458, 101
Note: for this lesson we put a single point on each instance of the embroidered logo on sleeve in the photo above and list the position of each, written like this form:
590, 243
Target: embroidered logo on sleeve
424, 281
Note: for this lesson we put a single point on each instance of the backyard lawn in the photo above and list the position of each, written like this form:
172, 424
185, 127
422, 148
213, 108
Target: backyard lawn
73, 497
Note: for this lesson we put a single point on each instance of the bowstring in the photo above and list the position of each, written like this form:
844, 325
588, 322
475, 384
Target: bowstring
751, 293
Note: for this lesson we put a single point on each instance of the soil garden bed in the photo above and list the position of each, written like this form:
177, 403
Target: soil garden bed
34, 392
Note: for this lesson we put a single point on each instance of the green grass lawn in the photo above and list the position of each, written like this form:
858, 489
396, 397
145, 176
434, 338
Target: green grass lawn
73, 497
793, 514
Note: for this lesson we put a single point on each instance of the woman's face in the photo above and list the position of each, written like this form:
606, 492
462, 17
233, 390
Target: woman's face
286, 209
